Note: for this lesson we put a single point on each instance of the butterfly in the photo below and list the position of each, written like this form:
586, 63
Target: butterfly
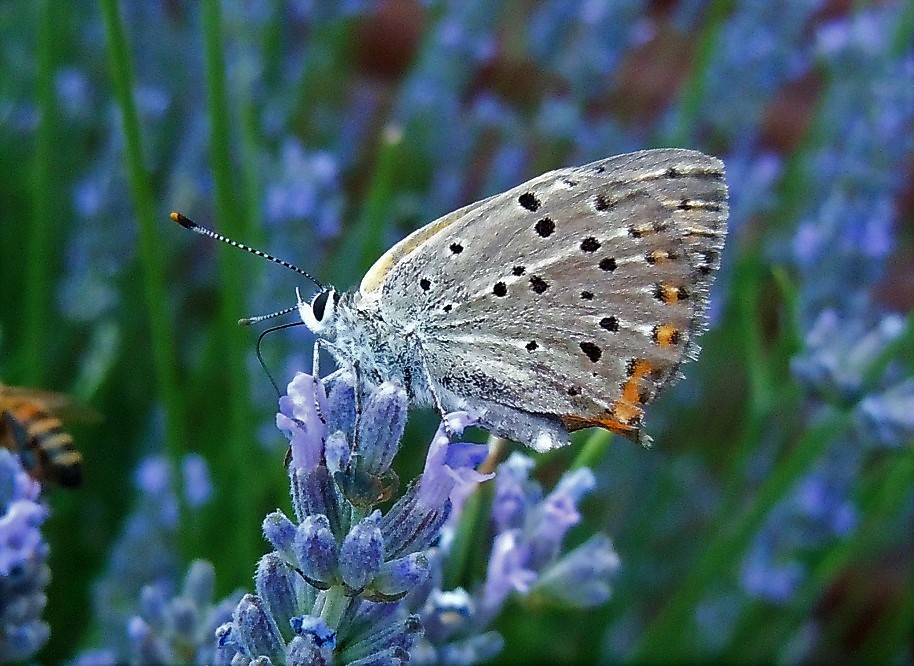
567, 302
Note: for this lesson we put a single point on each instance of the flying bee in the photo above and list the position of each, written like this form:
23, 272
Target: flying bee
30, 426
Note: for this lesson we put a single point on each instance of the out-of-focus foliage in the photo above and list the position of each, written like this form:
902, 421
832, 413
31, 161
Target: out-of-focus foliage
771, 519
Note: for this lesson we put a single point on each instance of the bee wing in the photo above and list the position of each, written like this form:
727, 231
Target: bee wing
60, 404
576, 294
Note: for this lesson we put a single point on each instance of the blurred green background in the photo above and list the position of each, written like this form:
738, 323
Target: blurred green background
323, 132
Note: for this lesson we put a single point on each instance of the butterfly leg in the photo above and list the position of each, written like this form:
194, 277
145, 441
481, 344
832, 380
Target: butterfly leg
357, 373
436, 399
315, 373
357, 379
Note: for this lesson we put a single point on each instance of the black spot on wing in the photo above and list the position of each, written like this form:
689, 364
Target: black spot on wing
592, 351
529, 201
538, 284
590, 244
545, 227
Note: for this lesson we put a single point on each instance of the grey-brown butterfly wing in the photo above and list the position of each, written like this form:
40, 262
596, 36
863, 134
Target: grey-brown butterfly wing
573, 297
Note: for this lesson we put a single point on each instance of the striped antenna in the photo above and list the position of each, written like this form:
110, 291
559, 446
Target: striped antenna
250, 321
187, 223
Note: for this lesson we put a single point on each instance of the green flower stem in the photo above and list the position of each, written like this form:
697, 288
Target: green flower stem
765, 399
151, 257
335, 603
466, 548
593, 450
235, 460
41, 232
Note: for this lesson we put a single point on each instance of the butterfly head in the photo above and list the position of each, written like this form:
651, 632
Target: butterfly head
319, 314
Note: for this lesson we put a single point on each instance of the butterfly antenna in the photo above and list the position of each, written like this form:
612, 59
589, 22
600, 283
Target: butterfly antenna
188, 223
263, 363
250, 321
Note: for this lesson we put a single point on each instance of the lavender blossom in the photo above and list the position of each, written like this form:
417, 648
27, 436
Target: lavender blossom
334, 588
527, 561
171, 628
24, 572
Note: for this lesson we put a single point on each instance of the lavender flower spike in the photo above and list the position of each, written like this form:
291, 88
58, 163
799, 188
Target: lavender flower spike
336, 588
24, 572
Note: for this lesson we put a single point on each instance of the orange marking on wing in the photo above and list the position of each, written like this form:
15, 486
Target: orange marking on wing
27, 411
574, 422
666, 335
631, 389
669, 293
659, 257
624, 417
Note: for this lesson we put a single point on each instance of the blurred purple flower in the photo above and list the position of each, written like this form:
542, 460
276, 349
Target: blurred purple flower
889, 416
24, 572
198, 487
144, 555
170, 628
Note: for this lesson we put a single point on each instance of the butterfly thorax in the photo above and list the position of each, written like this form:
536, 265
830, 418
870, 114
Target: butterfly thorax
359, 336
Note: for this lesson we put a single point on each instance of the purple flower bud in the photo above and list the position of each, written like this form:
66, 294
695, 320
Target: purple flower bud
154, 605
304, 650
447, 613
390, 636
839, 349
316, 549
277, 584
198, 487
256, 630
104, 657
411, 526
556, 514
184, 619
145, 646
337, 452
313, 493
513, 492
889, 417
580, 578
507, 571
474, 650
15, 483
362, 553
315, 630
381, 427
20, 538
772, 582
279, 531
200, 583
153, 475
341, 402
401, 575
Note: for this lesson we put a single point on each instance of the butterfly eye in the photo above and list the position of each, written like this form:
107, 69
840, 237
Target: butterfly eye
319, 304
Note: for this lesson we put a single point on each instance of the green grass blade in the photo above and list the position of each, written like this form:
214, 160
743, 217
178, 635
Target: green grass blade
153, 267
38, 269
233, 459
